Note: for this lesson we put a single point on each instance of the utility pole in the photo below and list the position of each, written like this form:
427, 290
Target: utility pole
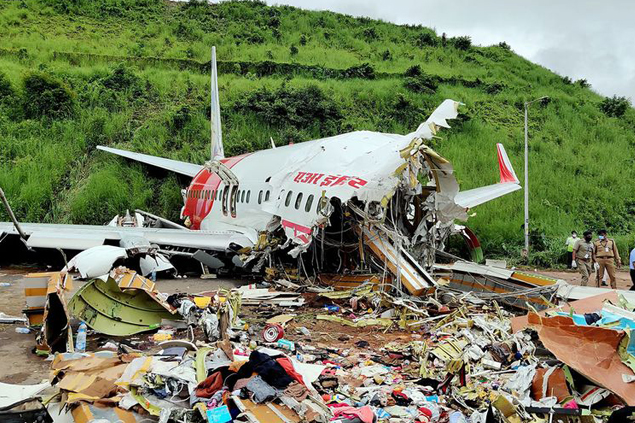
526, 187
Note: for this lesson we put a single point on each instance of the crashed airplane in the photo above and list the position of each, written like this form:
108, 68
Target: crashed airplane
361, 201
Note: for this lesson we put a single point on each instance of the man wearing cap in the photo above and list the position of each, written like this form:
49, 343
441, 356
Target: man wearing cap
605, 255
583, 256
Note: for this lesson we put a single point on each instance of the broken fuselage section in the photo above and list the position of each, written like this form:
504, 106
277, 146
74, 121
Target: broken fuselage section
348, 203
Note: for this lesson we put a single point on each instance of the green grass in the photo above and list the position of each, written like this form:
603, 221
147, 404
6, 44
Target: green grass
581, 161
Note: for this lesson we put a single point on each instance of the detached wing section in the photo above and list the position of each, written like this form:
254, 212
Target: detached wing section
82, 237
184, 168
508, 183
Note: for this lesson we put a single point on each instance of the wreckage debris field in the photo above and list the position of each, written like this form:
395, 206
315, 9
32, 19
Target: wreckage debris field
229, 350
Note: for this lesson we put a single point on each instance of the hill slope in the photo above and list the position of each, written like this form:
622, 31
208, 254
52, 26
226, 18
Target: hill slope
134, 74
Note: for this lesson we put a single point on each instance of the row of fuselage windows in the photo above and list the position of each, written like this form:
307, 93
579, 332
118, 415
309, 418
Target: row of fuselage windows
244, 196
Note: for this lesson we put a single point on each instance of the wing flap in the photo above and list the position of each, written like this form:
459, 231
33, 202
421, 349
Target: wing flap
184, 168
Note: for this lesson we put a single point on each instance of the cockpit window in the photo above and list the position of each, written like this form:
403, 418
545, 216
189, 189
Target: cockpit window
298, 201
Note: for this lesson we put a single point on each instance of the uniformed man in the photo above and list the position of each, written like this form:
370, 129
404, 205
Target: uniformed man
606, 255
583, 256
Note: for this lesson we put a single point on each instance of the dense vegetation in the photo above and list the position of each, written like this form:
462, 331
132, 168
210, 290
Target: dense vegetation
134, 74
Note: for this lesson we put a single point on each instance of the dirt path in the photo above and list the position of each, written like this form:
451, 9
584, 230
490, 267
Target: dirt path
573, 277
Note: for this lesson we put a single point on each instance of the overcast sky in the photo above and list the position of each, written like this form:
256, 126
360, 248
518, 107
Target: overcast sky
587, 39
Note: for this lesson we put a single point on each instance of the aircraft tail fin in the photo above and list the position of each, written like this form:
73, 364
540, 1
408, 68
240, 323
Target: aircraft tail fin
508, 183
217, 150
507, 173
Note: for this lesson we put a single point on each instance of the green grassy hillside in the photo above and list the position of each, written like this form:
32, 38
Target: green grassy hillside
134, 75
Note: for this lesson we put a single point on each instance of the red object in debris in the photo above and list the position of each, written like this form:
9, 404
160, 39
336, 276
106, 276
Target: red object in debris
272, 332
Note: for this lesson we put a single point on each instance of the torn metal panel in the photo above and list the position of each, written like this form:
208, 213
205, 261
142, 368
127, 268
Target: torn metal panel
516, 289
112, 310
11, 394
591, 351
154, 263
405, 268
56, 334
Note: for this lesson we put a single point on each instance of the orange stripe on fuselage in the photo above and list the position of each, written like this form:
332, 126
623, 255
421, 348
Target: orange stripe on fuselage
198, 208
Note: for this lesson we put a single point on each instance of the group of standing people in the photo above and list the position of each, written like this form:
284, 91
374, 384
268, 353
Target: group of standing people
601, 254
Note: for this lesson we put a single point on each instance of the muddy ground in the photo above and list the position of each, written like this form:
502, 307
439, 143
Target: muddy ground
19, 365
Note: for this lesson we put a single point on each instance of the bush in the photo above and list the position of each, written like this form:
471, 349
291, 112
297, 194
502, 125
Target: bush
301, 108
462, 43
122, 78
370, 34
364, 71
615, 106
386, 55
504, 46
426, 39
422, 84
413, 71
6, 89
494, 87
293, 50
303, 40
46, 96
583, 83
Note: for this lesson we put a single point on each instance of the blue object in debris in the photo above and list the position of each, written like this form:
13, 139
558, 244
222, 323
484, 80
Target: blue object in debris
219, 415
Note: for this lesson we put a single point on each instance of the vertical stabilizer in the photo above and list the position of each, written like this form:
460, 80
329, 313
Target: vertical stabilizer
217, 135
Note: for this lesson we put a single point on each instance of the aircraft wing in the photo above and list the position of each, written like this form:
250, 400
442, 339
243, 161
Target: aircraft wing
508, 183
82, 237
184, 168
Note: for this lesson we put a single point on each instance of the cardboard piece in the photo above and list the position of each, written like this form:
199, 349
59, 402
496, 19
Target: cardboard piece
591, 351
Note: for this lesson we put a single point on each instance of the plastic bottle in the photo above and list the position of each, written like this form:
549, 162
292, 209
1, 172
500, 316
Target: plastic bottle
22, 329
5, 284
80, 341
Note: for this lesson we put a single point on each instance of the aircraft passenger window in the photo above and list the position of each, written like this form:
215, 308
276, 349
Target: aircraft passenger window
260, 197
288, 200
267, 196
238, 195
248, 195
242, 197
298, 201
309, 202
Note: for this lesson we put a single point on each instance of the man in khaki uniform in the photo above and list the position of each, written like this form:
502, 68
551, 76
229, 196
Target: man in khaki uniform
583, 256
606, 255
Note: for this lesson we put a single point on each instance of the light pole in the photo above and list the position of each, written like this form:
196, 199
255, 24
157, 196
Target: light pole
526, 226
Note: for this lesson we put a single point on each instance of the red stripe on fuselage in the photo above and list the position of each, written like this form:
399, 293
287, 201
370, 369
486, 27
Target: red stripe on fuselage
206, 182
